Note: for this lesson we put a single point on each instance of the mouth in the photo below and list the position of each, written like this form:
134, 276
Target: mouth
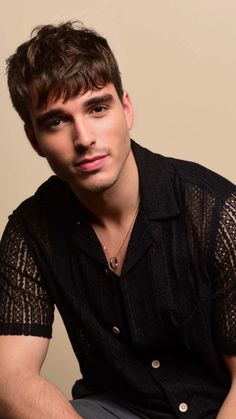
87, 165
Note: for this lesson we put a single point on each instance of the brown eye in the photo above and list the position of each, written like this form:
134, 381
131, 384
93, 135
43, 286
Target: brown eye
99, 109
55, 123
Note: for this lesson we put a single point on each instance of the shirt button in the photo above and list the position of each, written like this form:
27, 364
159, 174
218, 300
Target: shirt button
156, 363
116, 330
183, 407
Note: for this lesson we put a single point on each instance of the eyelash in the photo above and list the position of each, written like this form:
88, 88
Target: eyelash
50, 124
102, 108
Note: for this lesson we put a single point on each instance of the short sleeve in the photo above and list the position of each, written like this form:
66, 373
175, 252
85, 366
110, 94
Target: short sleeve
25, 307
224, 281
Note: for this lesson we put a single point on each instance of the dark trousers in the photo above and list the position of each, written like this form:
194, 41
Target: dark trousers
101, 407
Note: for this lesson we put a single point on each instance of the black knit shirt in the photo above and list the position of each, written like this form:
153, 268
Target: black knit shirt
156, 336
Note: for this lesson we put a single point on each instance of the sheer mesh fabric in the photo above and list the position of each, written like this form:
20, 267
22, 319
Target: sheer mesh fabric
200, 206
225, 277
25, 307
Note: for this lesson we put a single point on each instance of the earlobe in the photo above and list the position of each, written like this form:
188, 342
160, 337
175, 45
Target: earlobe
32, 139
128, 107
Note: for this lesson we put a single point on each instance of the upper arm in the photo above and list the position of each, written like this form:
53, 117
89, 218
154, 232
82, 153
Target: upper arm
230, 362
224, 279
27, 352
26, 311
25, 305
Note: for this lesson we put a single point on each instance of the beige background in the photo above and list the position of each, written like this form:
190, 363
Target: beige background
178, 60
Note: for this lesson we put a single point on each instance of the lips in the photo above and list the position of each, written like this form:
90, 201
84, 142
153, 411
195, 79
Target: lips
91, 164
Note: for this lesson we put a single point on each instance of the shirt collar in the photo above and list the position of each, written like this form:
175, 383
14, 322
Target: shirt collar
158, 196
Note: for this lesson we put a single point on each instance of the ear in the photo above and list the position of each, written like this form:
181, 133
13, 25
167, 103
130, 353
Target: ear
32, 139
128, 107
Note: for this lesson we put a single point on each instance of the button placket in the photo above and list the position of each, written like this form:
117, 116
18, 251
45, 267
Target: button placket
183, 407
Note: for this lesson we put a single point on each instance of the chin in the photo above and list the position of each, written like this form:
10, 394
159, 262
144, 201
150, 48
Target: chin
98, 187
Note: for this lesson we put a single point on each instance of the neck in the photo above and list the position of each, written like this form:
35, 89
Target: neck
116, 203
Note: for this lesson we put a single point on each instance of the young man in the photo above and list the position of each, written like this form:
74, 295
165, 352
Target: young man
137, 251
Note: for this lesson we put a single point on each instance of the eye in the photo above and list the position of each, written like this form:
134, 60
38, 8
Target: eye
55, 123
99, 109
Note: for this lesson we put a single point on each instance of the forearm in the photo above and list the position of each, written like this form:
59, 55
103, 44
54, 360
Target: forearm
24, 395
228, 409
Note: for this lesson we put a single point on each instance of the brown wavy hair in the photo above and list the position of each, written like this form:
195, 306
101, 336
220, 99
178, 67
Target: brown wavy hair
60, 61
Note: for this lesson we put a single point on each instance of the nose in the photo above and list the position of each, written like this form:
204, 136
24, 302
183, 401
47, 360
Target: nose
83, 135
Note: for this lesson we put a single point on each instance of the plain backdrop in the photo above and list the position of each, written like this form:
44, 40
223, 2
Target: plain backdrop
178, 62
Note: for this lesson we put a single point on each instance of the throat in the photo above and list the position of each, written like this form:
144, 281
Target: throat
115, 239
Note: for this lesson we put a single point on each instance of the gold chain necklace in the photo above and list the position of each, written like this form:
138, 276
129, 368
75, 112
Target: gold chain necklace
113, 262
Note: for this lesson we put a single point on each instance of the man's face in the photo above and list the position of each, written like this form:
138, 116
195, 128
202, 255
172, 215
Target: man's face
85, 139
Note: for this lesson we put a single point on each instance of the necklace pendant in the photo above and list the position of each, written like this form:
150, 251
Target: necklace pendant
113, 263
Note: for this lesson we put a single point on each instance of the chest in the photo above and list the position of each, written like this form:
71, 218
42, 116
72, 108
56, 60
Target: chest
163, 283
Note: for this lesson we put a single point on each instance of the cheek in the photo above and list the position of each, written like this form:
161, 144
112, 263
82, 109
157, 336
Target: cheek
56, 148
59, 163
55, 155
114, 127
58, 158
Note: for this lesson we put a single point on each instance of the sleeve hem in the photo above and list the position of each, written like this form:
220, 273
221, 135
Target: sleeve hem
25, 329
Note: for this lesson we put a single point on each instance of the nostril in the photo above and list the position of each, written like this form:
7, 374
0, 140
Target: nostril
82, 137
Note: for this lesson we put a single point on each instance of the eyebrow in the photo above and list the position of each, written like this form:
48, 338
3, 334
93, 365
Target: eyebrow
106, 98
96, 100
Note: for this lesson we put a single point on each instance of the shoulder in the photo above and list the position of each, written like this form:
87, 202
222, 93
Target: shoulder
53, 188
184, 174
194, 174
52, 199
